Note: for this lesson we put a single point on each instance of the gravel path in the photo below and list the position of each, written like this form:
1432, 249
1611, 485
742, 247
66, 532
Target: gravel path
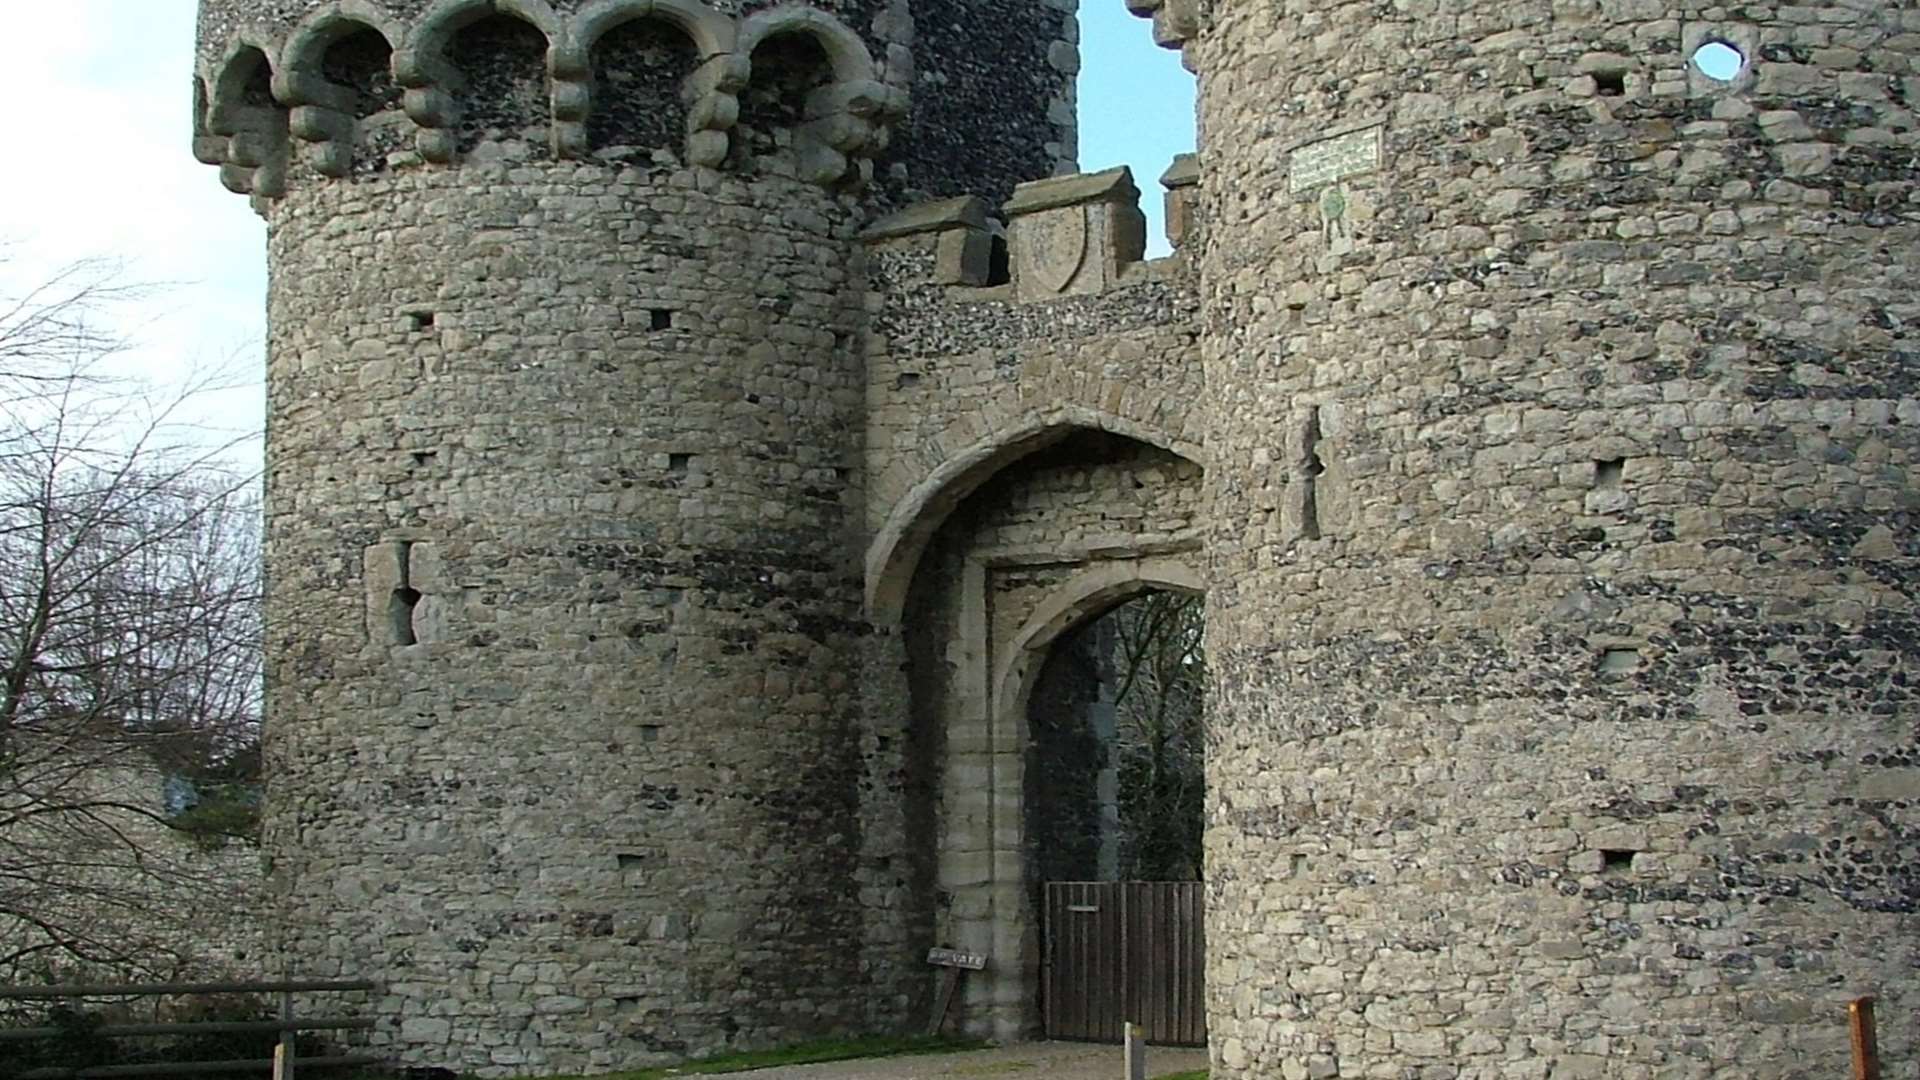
1029, 1061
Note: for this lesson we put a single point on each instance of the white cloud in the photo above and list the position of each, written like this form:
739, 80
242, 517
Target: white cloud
102, 125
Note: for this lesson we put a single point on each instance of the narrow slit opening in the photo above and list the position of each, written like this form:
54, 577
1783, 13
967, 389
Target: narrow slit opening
1312, 469
999, 262
400, 612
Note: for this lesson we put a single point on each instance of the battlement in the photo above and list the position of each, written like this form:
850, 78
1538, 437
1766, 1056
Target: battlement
358, 89
1063, 236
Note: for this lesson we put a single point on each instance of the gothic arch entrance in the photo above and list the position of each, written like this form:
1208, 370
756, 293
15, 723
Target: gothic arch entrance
1047, 543
1112, 801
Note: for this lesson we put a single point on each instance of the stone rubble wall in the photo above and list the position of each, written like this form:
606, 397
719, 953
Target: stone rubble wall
964, 377
1556, 410
1090, 386
1563, 433
955, 366
565, 492
563, 605
176, 908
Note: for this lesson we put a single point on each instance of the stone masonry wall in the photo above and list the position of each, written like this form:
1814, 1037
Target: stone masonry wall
953, 365
992, 82
565, 727
1563, 545
1557, 408
963, 381
563, 598
981, 67
175, 906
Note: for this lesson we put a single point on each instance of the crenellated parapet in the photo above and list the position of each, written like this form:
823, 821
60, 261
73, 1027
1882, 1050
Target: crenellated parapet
1062, 236
353, 86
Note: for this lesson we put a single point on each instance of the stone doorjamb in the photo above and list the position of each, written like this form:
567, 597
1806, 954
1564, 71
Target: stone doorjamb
982, 861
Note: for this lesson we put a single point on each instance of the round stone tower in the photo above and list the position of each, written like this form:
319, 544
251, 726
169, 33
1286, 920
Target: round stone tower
1563, 623
565, 408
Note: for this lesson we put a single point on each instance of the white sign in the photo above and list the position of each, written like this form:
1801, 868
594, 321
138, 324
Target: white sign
1334, 159
952, 958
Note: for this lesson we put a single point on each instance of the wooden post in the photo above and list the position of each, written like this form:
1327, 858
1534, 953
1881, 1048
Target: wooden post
283, 1054
1136, 1052
943, 1001
1866, 1046
953, 964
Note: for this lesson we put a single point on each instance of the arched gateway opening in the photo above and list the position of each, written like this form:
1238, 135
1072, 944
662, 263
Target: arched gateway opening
1116, 757
1114, 814
1031, 758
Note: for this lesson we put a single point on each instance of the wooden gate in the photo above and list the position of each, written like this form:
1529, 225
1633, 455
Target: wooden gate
1119, 952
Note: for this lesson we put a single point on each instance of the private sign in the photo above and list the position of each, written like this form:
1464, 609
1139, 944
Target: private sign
953, 958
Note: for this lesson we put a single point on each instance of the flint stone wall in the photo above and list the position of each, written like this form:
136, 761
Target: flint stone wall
1562, 537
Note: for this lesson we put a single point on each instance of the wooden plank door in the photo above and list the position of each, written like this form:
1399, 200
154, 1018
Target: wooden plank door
1124, 951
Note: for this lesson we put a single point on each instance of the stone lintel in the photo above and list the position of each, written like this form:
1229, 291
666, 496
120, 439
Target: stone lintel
961, 212
1113, 185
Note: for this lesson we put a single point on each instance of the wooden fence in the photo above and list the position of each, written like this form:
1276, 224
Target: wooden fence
281, 1066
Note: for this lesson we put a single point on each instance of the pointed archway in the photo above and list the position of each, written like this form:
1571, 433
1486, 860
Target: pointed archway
1040, 544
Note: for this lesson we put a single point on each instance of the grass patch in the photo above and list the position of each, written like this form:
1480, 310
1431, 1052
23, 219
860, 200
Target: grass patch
812, 1053
1192, 1074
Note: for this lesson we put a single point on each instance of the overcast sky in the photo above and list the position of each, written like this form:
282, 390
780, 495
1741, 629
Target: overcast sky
98, 163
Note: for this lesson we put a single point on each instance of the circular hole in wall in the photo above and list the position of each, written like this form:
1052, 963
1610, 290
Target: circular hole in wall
1719, 61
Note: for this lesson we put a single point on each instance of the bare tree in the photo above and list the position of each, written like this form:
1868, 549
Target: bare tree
1159, 745
129, 640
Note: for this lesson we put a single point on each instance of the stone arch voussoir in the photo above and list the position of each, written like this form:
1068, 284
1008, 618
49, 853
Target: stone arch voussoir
713, 34
851, 60
421, 65
322, 112
711, 91
848, 121
1086, 596
967, 459
255, 156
